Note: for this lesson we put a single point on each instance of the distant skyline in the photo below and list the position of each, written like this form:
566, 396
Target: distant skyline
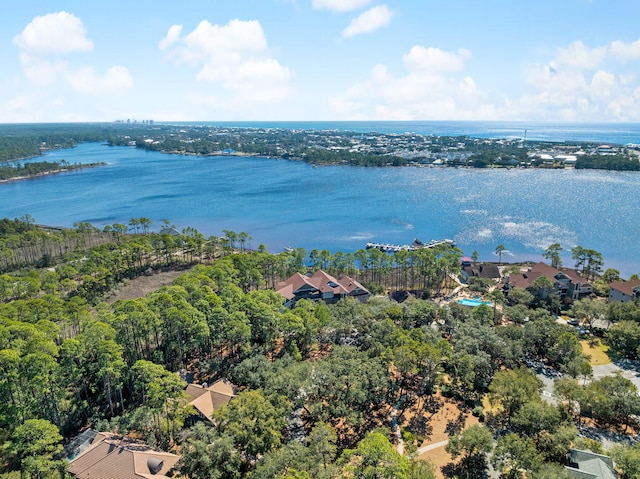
250, 60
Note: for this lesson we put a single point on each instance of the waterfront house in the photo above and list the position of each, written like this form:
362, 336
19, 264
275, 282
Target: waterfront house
567, 282
490, 271
169, 230
208, 399
102, 455
320, 286
466, 261
624, 291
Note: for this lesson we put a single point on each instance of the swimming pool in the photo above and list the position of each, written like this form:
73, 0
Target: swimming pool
472, 303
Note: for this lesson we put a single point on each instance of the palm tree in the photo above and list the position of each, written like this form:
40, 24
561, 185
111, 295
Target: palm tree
499, 250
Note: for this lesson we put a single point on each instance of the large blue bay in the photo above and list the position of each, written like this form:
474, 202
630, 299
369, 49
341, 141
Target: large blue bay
283, 203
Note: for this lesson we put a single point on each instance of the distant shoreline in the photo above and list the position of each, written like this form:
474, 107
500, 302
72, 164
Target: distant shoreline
53, 172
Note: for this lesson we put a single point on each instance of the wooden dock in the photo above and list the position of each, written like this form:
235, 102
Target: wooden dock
416, 245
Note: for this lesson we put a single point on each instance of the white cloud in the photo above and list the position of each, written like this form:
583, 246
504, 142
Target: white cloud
582, 84
43, 44
427, 91
625, 51
236, 57
423, 59
41, 72
369, 21
223, 43
116, 79
340, 5
602, 84
173, 36
59, 32
577, 54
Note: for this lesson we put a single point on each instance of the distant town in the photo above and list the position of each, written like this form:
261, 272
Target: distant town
323, 147
382, 149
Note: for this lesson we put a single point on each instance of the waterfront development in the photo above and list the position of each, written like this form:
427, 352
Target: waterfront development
287, 203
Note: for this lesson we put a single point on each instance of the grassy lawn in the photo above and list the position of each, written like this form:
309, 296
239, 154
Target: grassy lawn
598, 354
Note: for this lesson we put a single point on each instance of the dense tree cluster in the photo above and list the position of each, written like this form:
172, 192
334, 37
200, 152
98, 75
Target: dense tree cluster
38, 168
317, 383
608, 162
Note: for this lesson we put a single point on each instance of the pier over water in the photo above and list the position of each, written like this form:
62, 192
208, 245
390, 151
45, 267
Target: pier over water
416, 245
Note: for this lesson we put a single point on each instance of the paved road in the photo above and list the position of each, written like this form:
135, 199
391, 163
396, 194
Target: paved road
627, 368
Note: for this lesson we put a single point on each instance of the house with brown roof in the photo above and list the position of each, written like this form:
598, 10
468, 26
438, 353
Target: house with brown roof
110, 456
569, 285
473, 270
624, 291
208, 399
320, 286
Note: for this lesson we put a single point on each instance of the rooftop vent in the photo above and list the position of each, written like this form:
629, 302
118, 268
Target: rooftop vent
154, 464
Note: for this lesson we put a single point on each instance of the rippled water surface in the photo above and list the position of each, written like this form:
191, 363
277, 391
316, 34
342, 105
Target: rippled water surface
282, 203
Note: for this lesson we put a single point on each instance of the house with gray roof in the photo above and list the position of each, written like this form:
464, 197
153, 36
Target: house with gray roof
589, 465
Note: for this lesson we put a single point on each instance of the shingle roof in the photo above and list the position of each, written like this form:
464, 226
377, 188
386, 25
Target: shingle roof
625, 287
352, 285
209, 399
114, 457
321, 282
590, 464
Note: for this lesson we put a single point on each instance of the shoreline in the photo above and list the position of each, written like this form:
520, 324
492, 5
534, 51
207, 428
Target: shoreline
52, 172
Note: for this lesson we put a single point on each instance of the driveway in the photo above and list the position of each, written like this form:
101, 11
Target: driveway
627, 368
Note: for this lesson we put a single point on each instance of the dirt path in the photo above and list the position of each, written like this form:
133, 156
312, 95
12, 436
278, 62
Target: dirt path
431, 447
142, 285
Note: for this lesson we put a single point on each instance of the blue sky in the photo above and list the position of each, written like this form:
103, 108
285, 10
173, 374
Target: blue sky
188, 60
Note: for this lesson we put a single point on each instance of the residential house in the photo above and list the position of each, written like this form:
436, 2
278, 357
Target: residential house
102, 455
589, 465
569, 285
624, 291
208, 399
320, 287
169, 230
489, 271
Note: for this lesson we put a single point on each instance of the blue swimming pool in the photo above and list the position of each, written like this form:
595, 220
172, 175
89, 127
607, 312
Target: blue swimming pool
472, 303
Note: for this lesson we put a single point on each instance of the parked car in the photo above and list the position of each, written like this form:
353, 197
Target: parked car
573, 322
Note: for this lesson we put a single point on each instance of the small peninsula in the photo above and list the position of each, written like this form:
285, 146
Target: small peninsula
40, 168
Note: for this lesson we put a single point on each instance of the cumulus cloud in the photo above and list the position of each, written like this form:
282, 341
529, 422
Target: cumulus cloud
423, 59
430, 89
39, 71
625, 51
235, 56
45, 41
59, 32
577, 54
340, 5
116, 79
369, 21
173, 36
583, 83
